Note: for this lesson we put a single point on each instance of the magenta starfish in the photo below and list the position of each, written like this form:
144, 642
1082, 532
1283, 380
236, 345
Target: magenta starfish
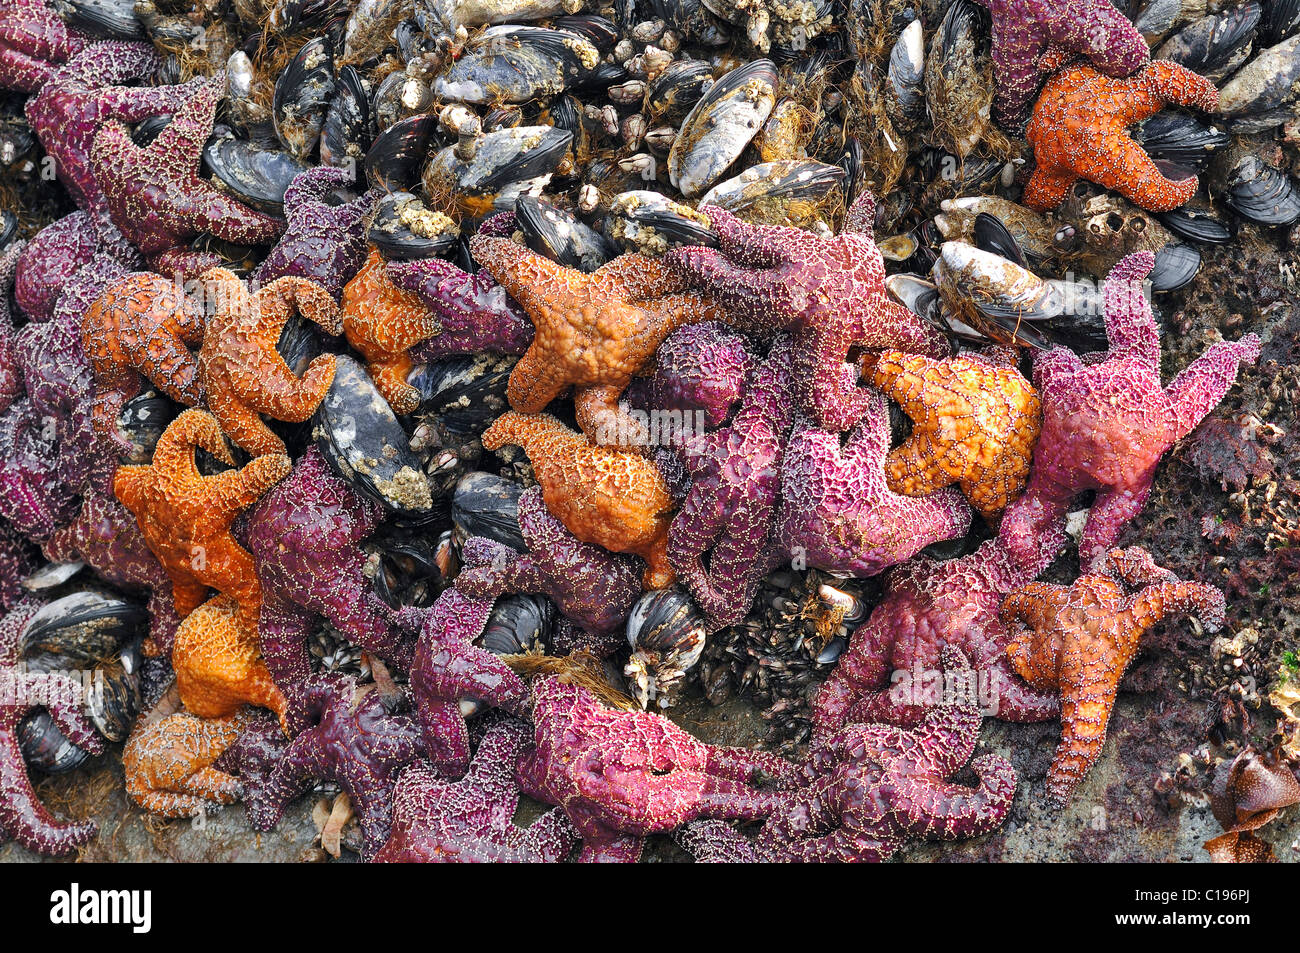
342, 733
58, 251
829, 292
157, 199
22, 816
591, 586
303, 535
11, 375
699, 368
730, 510
1107, 423
324, 242
471, 820
33, 498
1025, 30
34, 40
837, 511
620, 775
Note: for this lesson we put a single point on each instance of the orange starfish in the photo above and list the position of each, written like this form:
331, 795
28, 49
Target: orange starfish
243, 374
977, 420
593, 331
168, 763
219, 665
185, 517
383, 322
142, 324
1080, 640
1078, 132
614, 498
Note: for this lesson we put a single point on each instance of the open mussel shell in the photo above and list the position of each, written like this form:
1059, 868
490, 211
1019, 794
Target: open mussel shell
561, 236
520, 623
79, 631
1259, 94
302, 96
651, 223
667, 632
404, 229
255, 175
1176, 265
110, 19
1214, 45
1181, 139
721, 125
465, 393
488, 506
413, 566
787, 191
142, 421
394, 159
517, 64
672, 94
348, 127
1262, 194
363, 442
503, 165
1197, 226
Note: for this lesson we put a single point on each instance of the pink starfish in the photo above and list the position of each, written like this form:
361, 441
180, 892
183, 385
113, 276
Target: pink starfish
34, 40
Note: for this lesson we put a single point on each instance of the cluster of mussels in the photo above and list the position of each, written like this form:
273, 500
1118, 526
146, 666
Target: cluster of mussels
417, 396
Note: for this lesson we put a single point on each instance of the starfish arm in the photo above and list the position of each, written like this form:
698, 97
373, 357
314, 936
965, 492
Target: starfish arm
170, 803
132, 104
67, 708
944, 811
300, 764
1168, 82
742, 764
282, 633
861, 216
610, 847
1048, 187
446, 739
242, 424
212, 785
751, 246
232, 491
181, 142
234, 221
23, 817
1136, 567
551, 837
600, 417
1112, 510
1163, 599
533, 382
1016, 54
1105, 36
538, 284
315, 186
1132, 173
285, 396
864, 667
637, 278
736, 286
916, 468
1018, 702
1130, 328
278, 301
1201, 385
184, 262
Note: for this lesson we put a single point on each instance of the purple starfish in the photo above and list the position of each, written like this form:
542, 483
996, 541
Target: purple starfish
17, 560
829, 292
471, 820
1031, 38
591, 586
33, 498
699, 368
156, 197
11, 375
303, 535
33, 42
837, 511
731, 507
342, 733
59, 249
22, 816
1107, 423
324, 242
85, 94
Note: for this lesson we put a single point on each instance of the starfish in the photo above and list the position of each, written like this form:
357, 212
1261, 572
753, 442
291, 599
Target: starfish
1080, 640
218, 666
343, 733
699, 369
1078, 132
58, 250
23, 817
1107, 423
170, 763
32, 497
11, 376
324, 243
593, 331
185, 517
471, 820
837, 511
976, 421
830, 293
303, 536
1025, 30
621, 775
730, 511
34, 40
871, 787
156, 197
17, 559
86, 93
141, 327
930, 604
614, 498
243, 374
590, 585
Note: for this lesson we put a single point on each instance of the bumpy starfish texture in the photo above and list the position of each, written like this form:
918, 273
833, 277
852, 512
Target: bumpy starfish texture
323, 243
593, 331
701, 368
57, 251
1080, 639
11, 376
243, 374
32, 497
614, 498
34, 40
976, 422
156, 197
22, 816
346, 735
169, 763
1107, 423
1023, 31
621, 775
17, 559
471, 820
721, 543
1078, 132
303, 536
590, 585
837, 511
929, 604
218, 666
141, 327
185, 517
829, 292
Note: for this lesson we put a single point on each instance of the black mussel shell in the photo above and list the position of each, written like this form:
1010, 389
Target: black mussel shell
79, 631
508, 117
405, 229
785, 180
1262, 194
560, 236
1176, 265
8, 227
147, 130
113, 700
503, 159
651, 223
110, 19
520, 623
258, 176
853, 161
674, 92
142, 421
1282, 21
667, 632
518, 64
1181, 139
465, 393
395, 157
1197, 226
288, 15
488, 506
302, 96
16, 140
363, 442
596, 30
299, 343
47, 749
991, 235
721, 125
414, 566
1214, 44
348, 128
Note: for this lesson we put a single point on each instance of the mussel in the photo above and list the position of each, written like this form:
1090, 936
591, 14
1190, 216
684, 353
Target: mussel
1262, 194
650, 223
110, 19
488, 506
519, 624
672, 94
302, 95
561, 236
666, 631
404, 228
517, 64
1260, 94
394, 159
801, 193
721, 125
484, 172
348, 127
1215, 45
256, 175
